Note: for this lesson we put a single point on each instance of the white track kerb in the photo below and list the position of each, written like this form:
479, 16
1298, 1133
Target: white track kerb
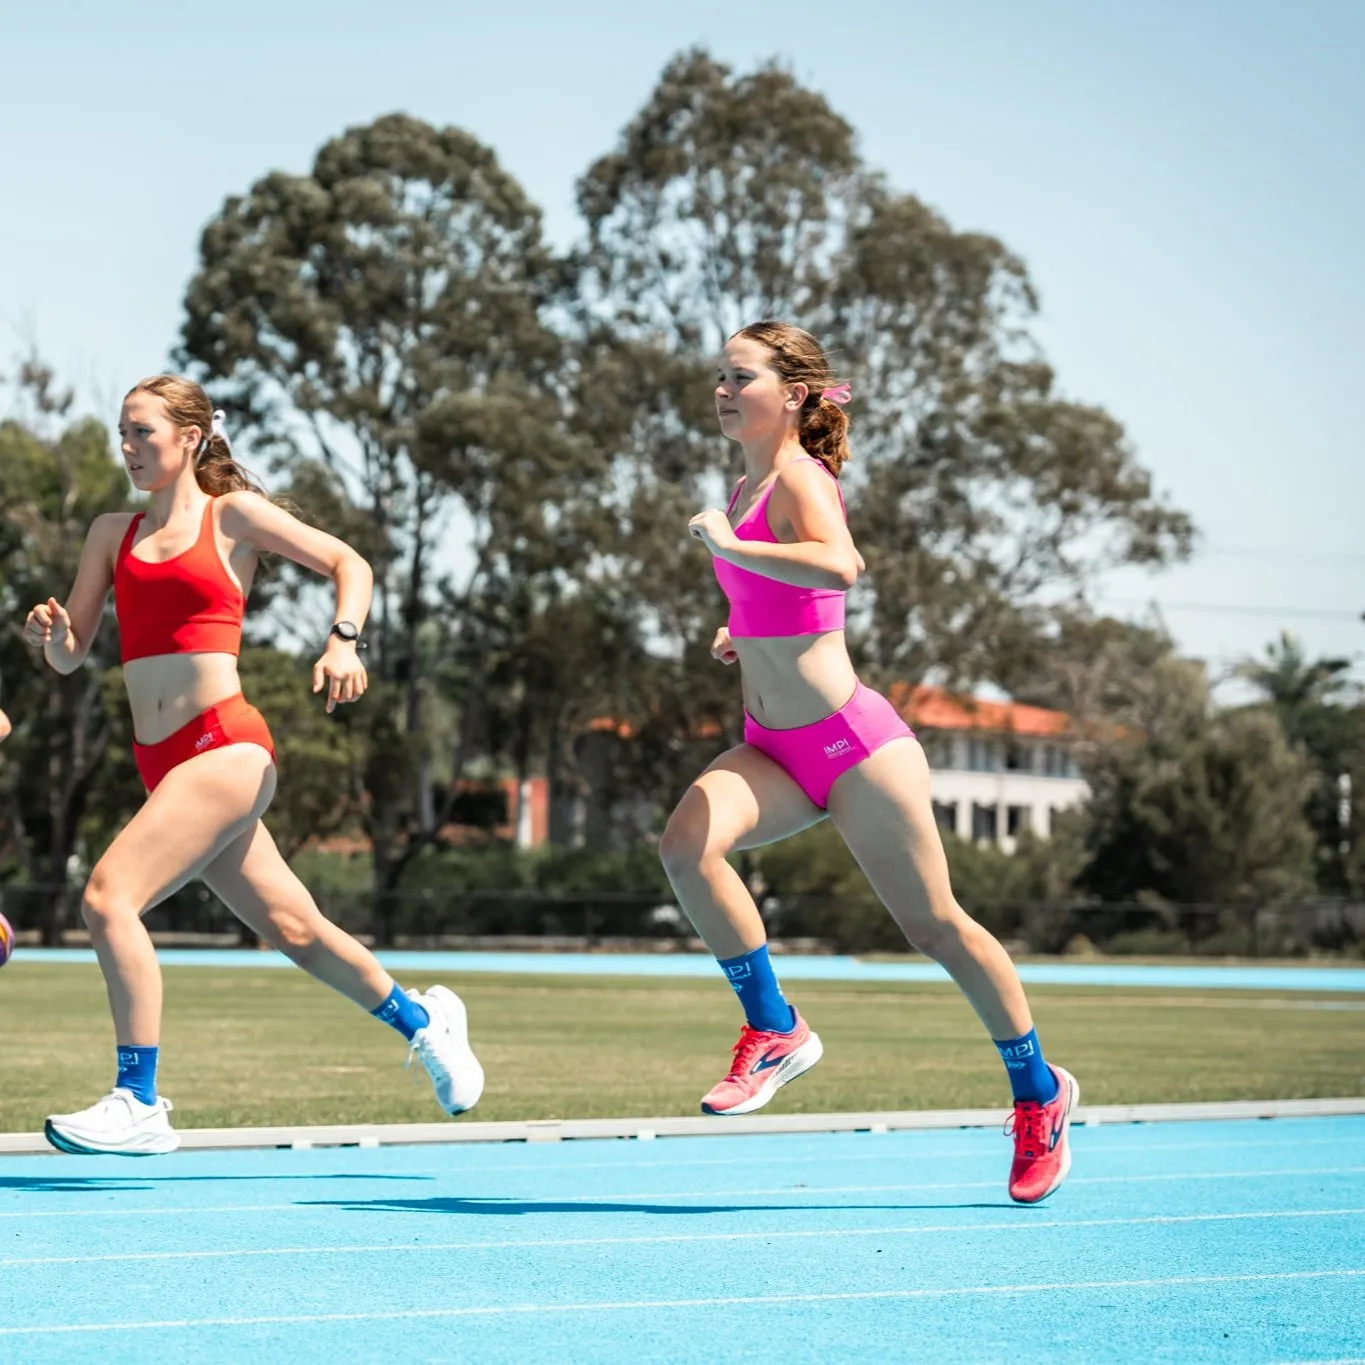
556, 1130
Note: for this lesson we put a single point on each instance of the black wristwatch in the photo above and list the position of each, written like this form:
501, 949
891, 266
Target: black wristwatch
345, 630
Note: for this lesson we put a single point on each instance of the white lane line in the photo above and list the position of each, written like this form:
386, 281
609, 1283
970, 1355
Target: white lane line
886, 1143
737, 1301
889, 1150
1020, 1224
790, 1192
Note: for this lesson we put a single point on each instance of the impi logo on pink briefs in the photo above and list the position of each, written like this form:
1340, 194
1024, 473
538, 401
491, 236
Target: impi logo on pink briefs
840, 746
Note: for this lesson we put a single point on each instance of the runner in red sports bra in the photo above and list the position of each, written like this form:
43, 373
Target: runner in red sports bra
187, 604
180, 572
817, 745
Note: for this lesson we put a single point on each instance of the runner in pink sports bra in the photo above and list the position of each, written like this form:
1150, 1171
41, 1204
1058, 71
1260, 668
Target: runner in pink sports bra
819, 744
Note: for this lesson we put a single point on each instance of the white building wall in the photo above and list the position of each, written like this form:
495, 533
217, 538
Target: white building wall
952, 782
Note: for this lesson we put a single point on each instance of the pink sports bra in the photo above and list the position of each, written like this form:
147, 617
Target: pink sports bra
762, 607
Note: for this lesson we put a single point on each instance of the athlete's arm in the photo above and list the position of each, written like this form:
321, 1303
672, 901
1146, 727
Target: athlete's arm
253, 520
65, 633
821, 554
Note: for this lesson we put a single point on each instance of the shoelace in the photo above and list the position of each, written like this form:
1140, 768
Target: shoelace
421, 1044
129, 1107
1028, 1126
750, 1041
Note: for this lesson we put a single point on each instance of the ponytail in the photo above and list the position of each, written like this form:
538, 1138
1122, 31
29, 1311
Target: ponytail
824, 432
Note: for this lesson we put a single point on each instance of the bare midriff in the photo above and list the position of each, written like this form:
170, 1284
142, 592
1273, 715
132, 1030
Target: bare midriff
167, 691
794, 680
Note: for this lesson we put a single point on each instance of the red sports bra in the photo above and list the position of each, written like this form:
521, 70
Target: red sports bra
185, 605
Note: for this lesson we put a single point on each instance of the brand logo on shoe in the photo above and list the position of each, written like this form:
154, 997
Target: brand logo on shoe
1056, 1134
839, 747
202, 743
768, 1061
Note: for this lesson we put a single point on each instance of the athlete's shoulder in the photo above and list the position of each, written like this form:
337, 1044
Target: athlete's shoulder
247, 498
108, 529
804, 472
242, 507
805, 479
111, 524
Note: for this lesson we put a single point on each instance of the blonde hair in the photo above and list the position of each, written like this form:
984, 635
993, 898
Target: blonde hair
800, 359
187, 405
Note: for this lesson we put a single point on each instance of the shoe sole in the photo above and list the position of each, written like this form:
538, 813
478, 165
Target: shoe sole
458, 1018
64, 1143
1065, 1169
794, 1064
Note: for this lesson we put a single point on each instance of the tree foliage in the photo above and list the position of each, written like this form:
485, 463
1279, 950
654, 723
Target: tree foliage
975, 484
56, 476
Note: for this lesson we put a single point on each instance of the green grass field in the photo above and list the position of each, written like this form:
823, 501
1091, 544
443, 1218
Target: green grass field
272, 1047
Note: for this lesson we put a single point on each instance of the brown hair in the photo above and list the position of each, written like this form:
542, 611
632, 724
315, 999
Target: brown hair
188, 405
800, 359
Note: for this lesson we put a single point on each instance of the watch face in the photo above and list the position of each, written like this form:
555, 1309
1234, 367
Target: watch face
345, 630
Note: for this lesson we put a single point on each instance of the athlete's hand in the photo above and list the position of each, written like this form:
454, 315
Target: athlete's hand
722, 649
713, 529
47, 624
341, 672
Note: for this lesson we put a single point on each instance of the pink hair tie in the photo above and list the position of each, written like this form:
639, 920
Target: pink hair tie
840, 394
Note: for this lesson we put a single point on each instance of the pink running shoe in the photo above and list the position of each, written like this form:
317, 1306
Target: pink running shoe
764, 1062
1042, 1145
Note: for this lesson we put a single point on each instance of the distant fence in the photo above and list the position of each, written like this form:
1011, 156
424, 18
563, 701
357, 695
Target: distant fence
442, 917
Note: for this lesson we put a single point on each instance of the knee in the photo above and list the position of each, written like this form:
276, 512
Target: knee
942, 938
104, 905
296, 936
686, 844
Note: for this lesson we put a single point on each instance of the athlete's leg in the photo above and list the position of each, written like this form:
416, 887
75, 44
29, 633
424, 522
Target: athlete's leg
883, 811
199, 808
253, 880
743, 800
251, 877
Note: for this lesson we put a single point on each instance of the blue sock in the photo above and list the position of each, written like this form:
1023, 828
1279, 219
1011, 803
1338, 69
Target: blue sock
402, 1012
137, 1072
1030, 1076
756, 985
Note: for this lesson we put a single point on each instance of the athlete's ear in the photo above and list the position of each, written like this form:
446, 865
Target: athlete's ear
796, 396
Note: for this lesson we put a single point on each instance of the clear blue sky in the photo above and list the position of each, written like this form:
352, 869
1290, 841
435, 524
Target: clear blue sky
1183, 180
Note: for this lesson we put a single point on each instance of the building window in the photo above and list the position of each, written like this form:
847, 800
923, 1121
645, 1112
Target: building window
1018, 757
1050, 760
1017, 820
981, 756
984, 822
938, 749
945, 816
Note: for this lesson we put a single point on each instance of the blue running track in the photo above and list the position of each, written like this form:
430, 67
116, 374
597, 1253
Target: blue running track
1221, 1241
790, 967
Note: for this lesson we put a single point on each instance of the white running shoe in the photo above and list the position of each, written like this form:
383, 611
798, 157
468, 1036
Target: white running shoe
443, 1046
117, 1125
